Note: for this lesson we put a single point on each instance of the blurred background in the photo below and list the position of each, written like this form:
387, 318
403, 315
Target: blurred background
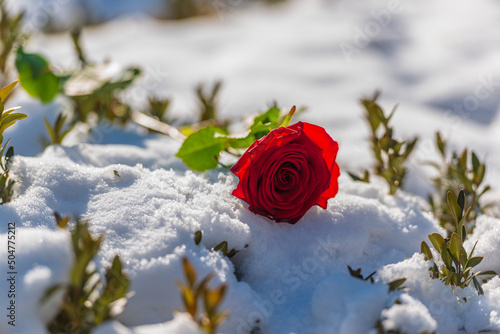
438, 60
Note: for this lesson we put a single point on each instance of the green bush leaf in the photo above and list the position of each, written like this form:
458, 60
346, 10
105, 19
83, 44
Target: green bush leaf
223, 247
198, 235
462, 256
446, 256
365, 178
424, 249
5, 91
441, 144
200, 151
478, 286
9, 119
488, 272
461, 201
437, 241
455, 209
117, 285
475, 162
394, 285
474, 261
36, 77
455, 245
472, 251
479, 175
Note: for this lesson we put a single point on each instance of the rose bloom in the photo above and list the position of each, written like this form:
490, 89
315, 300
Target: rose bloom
285, 173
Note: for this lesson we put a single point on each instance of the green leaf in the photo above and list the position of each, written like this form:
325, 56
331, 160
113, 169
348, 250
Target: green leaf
62, 222
409, 147
5, 91
9, 154
394, 285
446, 256
375, 114
392, 112
271, 116
479, 175
36, 77
222, 247
10, 119
117, 285
441, 144
475, 163
188, 299
257, 131
478, 287
486, 189
474, 261
289, 116
200, 151
2, 150
213, 298
455, 260
50, 130
365, 178
488, 272
385, 143
85, 247
355, 273
462, 256
424, 249
455, 209
8, 111
198, 235
462, 160
437, 241
462, 232
461, 201
189, 271
472, 251
397, 147
455, 245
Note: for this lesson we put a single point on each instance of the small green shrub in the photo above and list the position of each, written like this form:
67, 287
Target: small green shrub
390, 155
88, 299
57, 131
194, 294
7, 118
462, 171
458, 265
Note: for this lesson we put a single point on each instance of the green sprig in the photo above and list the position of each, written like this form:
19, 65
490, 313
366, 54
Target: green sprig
88, 299
458, 265
7, 118
201, 150
390, 154
462, 171
194, 294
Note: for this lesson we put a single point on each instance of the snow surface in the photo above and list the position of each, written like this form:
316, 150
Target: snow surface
429, 56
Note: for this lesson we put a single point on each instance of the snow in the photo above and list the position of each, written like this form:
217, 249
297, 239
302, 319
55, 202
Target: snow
429, 57
396, 317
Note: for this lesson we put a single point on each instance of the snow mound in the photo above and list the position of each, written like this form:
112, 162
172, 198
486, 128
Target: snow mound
285, 278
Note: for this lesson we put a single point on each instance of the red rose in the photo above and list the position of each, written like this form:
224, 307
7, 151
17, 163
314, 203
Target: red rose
285, 173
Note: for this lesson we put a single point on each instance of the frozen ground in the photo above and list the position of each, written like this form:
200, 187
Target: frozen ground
430, 57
